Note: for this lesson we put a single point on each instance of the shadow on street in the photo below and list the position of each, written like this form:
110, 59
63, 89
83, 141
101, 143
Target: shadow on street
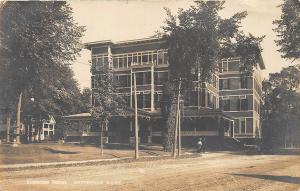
285, 179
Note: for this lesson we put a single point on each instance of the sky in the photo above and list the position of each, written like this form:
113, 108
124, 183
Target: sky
134, 19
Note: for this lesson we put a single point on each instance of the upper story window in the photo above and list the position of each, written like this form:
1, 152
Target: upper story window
157, 99
229, 65
140, 58
123, 80
225, 103
244, 82
143, 100
143, 78
99, 61
160, 77
224, 84
244, 104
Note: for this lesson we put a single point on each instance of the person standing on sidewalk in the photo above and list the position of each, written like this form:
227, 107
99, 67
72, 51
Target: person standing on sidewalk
199, 145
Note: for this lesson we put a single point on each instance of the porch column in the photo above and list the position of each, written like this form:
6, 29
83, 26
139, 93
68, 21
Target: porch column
152, 87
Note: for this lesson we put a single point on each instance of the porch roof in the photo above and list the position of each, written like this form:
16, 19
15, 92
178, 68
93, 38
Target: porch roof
203, 111
186, 113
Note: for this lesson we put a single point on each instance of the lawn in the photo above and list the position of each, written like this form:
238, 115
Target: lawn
54, 152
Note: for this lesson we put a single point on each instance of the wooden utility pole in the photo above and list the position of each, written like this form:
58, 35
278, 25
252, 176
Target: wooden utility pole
177, 126
18, 119
8, 126
101, 140
175, 135
179, 130
136, 121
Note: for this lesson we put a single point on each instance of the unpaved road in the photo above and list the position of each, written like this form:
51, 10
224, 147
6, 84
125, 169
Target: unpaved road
213, 171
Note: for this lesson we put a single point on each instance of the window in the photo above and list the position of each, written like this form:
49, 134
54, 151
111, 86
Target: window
145, 58
143, 78
139, 59
99, 64
46, 133
124, 80
249, 125
150, 58
129, 60
203, 98
244, 104
233, 65
224, 103
154, 58
147, 100
244, 82
121, 62
165, 58
242, 125
160, 78
144, 100
135, 59
140, 100
224, 84
157, 99
125, 61
139, 78
105, 60
160, 58
224, 66
147, 78
115, 62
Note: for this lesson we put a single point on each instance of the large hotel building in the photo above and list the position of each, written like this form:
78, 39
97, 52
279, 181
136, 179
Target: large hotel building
227, 107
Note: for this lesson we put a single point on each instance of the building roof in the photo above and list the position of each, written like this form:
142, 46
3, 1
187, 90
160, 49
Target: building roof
89, 45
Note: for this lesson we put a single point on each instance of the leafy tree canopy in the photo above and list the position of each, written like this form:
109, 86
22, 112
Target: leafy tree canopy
37, 42
281, 107
198, 38
107, 102
288, 29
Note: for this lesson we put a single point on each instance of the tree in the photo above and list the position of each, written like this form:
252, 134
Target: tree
86, 99
107, 103
197, 39
35, 37
56, 93
281, 108
288, 29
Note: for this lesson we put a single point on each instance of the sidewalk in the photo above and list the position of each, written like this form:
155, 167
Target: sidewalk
13, 167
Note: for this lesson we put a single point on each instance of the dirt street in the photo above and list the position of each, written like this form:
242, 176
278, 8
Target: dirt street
212, 171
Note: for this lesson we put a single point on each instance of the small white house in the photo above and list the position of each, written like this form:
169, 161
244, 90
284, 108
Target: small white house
47, 129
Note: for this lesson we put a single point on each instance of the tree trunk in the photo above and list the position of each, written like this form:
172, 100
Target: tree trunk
101, 141
8, 127
18, 118
40, 128
170, 129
